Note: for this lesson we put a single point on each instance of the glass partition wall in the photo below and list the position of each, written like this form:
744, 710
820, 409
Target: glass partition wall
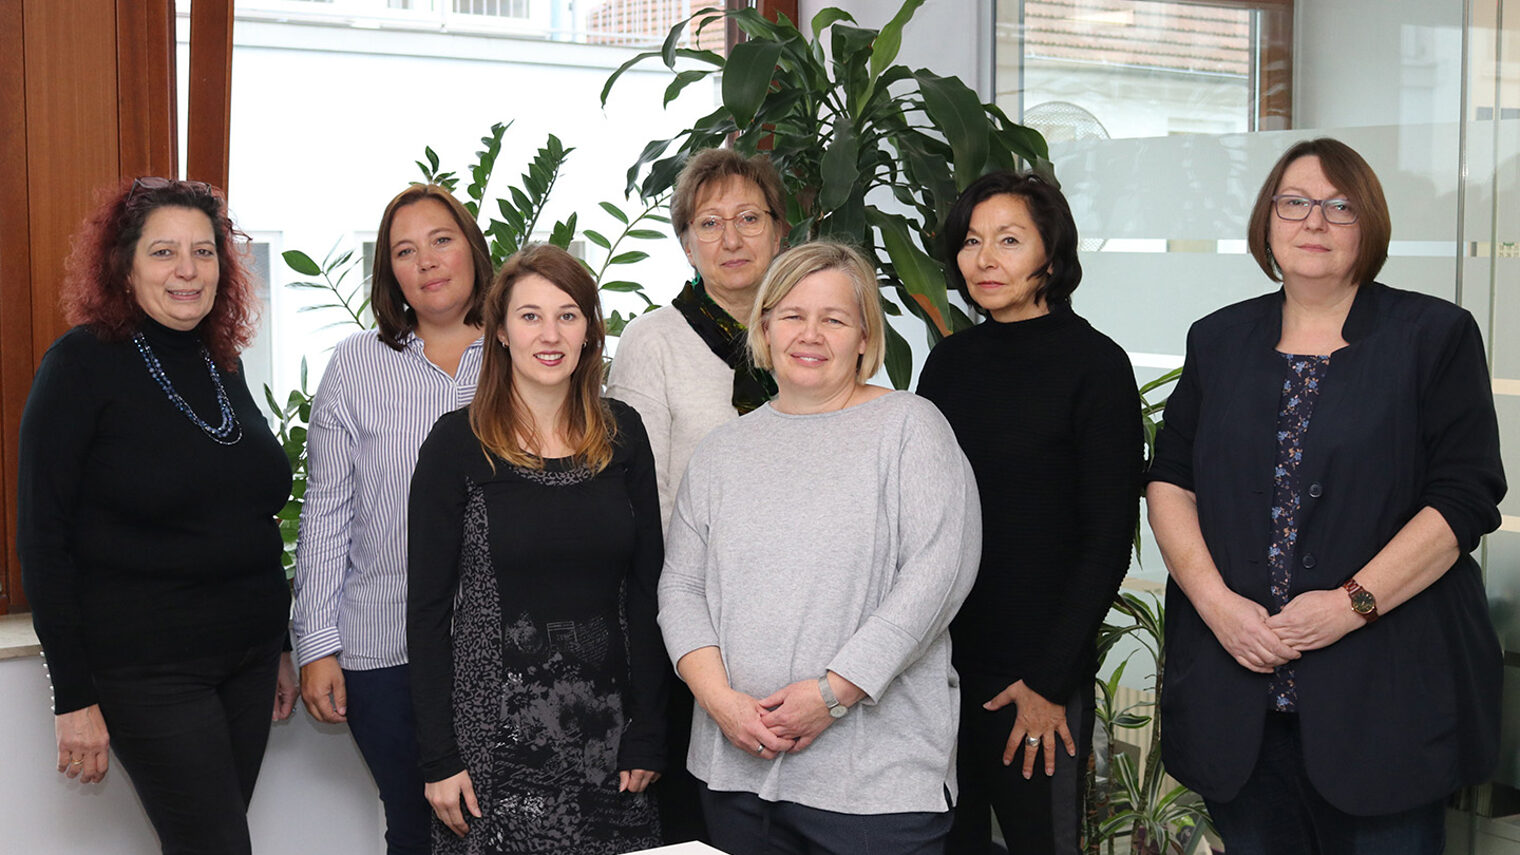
1164, 117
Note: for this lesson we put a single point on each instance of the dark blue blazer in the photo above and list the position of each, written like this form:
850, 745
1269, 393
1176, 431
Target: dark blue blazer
1404, 710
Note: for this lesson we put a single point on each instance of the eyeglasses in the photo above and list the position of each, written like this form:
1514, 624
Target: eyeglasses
710, 227
1294, 209
153, 182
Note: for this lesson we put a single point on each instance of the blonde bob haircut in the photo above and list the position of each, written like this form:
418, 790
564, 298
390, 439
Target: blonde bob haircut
797, 264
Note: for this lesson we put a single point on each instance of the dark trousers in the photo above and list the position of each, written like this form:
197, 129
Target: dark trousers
380, 718
191, 735
745, 824
678, 793
1279, 812
1038, 816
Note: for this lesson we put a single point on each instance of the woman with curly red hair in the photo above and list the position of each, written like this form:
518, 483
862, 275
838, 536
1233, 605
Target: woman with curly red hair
148, 486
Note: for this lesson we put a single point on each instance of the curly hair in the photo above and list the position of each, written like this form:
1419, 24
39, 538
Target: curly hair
96, 291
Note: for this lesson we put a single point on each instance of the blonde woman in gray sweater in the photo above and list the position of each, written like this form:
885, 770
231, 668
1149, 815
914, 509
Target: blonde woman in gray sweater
818, 549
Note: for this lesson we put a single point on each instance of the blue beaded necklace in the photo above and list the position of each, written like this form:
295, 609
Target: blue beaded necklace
230, 431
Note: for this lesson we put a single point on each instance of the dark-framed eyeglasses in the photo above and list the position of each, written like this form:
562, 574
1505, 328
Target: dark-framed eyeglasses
709, 227
1294, 209
154, 182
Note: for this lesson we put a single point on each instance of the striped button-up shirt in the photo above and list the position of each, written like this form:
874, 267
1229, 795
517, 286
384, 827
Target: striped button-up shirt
373, 409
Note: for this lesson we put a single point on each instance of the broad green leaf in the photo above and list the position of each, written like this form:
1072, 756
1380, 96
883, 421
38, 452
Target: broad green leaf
920, 274
841, 169
827, 16
889, 42
899, 359
652, 150
747, 77
706, 56
959, 114
632, 256
301, 263
615, 212
621, 285
646, 234
682, 80
597, 238
760, 28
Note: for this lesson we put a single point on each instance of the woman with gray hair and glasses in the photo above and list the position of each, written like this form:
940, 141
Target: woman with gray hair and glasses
819, 548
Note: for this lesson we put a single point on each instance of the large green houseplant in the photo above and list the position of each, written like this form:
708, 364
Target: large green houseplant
870, 151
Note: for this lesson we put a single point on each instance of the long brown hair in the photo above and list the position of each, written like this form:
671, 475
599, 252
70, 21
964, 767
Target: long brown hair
498, 415
393, 317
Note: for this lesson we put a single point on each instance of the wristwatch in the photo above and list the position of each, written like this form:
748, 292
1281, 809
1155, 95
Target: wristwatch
1362, 601
836, 709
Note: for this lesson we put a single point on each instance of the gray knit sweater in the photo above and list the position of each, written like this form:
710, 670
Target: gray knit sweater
843, 541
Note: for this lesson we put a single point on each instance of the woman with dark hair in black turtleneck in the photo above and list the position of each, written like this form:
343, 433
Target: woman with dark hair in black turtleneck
147, 491
1046, 409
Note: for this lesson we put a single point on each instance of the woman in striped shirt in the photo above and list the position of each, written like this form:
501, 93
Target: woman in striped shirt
380, 395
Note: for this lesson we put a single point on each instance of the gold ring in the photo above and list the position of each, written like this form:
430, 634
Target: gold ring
77, 763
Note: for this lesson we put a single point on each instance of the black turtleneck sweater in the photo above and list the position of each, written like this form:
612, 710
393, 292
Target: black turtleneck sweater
141, 538
1048, 414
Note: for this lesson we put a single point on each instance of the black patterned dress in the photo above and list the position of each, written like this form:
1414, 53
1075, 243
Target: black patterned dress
536, 662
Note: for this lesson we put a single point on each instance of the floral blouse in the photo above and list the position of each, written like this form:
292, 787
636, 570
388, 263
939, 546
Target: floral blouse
1299, 392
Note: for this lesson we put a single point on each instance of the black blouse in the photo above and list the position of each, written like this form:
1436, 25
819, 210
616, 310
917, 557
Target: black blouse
1405, 710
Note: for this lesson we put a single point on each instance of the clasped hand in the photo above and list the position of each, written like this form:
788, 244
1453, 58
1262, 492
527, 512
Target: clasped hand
1261, 641
784, 722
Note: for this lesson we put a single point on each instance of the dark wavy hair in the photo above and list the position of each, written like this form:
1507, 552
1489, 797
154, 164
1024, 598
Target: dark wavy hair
1052, 219
393, 317
96, 292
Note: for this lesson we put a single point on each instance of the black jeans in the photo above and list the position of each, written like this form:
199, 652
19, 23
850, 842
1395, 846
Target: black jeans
190, 735
745, 824
380, 718
1038, 816
1278, 811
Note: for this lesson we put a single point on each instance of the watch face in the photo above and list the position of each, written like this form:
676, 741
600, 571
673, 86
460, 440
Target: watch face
839, 711
1363, 603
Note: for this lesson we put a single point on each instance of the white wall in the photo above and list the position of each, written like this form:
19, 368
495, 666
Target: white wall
314, 793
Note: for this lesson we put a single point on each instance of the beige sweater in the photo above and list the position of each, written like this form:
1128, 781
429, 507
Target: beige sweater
680, 388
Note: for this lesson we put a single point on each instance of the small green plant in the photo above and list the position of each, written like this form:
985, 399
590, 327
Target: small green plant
849, 129
1128, 794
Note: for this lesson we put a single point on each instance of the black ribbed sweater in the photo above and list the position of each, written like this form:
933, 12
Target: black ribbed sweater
1047, 412
141, 539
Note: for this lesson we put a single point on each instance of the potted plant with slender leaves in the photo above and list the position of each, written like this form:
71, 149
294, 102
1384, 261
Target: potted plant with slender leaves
870, 151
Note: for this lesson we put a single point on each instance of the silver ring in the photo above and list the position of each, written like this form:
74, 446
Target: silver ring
1031, 741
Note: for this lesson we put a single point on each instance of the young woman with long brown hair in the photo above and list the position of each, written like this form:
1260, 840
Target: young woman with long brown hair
534, 555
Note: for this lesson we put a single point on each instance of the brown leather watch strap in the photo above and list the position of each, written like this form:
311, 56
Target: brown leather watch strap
1362, 601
